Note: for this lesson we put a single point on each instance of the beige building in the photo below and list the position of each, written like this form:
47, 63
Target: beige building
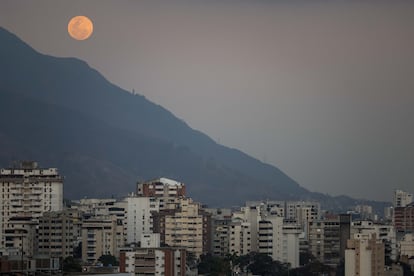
186, 226
364, 256
59, 233
102, 235
407, 245
27, 191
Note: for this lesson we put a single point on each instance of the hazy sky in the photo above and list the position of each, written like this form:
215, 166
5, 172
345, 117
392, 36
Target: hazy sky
324, 90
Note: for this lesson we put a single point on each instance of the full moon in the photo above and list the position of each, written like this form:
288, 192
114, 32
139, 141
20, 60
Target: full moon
80, 27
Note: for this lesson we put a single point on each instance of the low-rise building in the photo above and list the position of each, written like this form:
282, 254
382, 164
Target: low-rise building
153, 261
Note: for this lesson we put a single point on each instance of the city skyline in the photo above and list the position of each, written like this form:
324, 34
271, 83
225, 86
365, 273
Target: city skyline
321, 90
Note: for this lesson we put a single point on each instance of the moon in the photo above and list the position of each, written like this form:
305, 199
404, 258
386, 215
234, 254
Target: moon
80, 27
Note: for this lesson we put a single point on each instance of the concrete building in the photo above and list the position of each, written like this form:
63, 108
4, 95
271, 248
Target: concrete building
407, 245
101, 236
187, 226
279, 239
251, 214
328, 238
364, 256
303, 211
150, 240
240, 237
153, 261
404, 218
365, 212
384, 233
161, 187
59, 233
402, 198
27, 192
139, 217
220, 224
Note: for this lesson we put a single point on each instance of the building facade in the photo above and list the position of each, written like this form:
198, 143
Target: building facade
153, 261
364, 256
27, 192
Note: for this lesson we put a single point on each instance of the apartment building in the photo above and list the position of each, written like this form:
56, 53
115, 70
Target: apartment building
364, 256
239, 236
383, 232
279, 238
407, 245
402, 198
404, 218
187, 226
220, 223
101, 235
27, 192
161, 187
153, 261
139, 217
328, 238
59, 233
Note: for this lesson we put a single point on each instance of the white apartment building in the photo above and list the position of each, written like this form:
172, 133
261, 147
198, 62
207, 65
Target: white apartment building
27, 191
251, 215
279, 239
240, 237
139, 218
402, 198
384, 232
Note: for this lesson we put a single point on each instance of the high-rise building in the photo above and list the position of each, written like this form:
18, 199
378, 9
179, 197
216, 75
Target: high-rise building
279, 238
161, 187
402, 198
384, 233
407, 245
58, 233
27, 192
404, 218
240, 237
187, 226
220, 224
328, 237
364, 256
101, 236
139, 217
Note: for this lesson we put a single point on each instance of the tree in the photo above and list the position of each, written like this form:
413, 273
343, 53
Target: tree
214, 266
261, 264
108, 260
70, 264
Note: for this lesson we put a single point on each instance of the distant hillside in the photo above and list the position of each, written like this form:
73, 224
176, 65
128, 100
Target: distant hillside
64, 114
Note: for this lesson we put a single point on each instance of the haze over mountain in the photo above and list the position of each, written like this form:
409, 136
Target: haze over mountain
104, 139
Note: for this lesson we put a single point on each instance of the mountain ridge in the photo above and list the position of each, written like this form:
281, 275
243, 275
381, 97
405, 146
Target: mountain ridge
176, 150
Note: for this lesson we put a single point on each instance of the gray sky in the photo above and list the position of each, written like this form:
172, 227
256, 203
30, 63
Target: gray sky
321, 89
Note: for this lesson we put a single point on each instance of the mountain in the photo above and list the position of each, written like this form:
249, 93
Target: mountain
103, 139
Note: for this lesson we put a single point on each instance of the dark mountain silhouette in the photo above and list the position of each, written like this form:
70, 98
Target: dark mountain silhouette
64, 114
